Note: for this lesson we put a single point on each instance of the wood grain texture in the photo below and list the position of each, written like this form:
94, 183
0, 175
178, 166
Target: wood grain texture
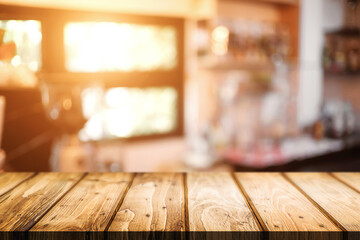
154, 202
22, 207
88, 207
180, 206
285, 211
215, 204
9, 180
339, 201
351, 179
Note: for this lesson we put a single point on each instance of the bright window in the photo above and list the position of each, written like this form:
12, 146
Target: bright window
27, 36
129, 112
137, 60
110, 46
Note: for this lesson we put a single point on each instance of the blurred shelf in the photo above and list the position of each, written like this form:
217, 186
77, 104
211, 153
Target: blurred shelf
298, 149
341, 76
287, 2
282, 2
235, 65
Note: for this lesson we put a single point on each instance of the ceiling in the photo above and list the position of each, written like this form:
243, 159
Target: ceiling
180, 8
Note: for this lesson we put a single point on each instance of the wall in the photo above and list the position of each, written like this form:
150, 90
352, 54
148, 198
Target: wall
317, 18
333, 15
255, 10
311, 43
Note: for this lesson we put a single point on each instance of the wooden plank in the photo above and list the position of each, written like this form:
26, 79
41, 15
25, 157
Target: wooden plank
339, 201
154, 202
351, 179
285, 211
88, 207
22, 207
10, 180
216, 205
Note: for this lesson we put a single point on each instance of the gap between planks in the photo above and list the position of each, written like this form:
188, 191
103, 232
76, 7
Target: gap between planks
343, 182
186, 204
120, 202
321, 209
250, 204
19, 183
46, 212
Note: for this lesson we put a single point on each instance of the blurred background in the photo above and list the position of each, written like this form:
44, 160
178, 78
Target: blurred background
179, 85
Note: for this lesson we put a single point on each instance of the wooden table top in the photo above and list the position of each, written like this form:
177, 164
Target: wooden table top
180, 205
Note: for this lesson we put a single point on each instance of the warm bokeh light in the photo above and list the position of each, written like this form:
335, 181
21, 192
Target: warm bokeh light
110, 46
130, 112
220, 39
27, 37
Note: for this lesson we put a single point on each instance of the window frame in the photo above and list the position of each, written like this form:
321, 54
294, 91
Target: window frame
53, 54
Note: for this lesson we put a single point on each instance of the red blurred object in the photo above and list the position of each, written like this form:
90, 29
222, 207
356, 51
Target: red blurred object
7, 51
257, 158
